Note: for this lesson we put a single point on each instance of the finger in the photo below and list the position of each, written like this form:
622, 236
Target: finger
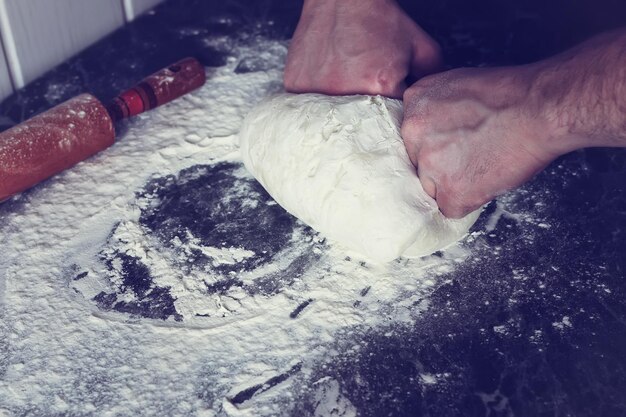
426, 55
428, 184
411, 141
398, 91
451, 208
454, 212
451, 211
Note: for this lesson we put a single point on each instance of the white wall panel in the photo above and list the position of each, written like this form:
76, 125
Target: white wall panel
134, 8
6, 88
39, 34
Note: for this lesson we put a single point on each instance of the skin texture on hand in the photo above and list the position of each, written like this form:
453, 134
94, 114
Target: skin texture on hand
474, 134
462, 131
343, 47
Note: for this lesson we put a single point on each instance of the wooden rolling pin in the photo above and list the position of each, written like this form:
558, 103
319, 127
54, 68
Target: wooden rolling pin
73, 131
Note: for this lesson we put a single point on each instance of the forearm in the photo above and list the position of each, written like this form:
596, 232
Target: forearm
361, 4
582, 92
327, 12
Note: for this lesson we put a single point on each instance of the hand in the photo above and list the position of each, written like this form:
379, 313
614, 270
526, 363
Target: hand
343, 47
473, 134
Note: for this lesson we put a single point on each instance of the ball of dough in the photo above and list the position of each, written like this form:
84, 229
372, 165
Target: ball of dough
338, 163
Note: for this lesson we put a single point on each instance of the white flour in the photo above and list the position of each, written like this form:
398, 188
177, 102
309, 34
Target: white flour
62, 354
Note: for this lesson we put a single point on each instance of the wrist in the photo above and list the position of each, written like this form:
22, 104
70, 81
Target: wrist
547, 96
580, 94
312, 6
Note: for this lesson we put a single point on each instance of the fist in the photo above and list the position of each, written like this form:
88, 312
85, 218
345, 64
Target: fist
474, 134
343, 47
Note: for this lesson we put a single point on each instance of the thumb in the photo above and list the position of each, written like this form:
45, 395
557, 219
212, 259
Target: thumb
428, 184
452, 206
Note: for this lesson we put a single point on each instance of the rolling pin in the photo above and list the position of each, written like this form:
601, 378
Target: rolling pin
61, 137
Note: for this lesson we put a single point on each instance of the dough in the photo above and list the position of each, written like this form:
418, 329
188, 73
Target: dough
339, 165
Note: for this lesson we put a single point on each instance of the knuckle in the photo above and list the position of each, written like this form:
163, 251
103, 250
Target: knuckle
415, 91
386, 79
457, 203
412, 128
452, 212
429, 160
382, 78
431, 51
408, 96
292, 82
428, 82
450, 206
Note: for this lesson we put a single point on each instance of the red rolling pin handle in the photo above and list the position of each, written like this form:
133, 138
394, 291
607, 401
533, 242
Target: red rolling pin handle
159, 88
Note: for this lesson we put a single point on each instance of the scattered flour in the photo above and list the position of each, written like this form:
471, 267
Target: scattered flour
60, 354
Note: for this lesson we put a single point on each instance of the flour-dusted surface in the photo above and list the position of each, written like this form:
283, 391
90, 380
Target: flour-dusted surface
339, 164
159, 279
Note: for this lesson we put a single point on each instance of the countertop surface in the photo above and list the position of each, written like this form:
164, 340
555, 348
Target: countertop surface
161, 279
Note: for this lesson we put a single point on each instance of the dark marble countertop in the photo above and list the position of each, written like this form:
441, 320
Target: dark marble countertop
532, 324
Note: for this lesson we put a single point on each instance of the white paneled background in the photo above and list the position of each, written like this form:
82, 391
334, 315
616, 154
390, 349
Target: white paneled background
37, 35
133, 8
5, 79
